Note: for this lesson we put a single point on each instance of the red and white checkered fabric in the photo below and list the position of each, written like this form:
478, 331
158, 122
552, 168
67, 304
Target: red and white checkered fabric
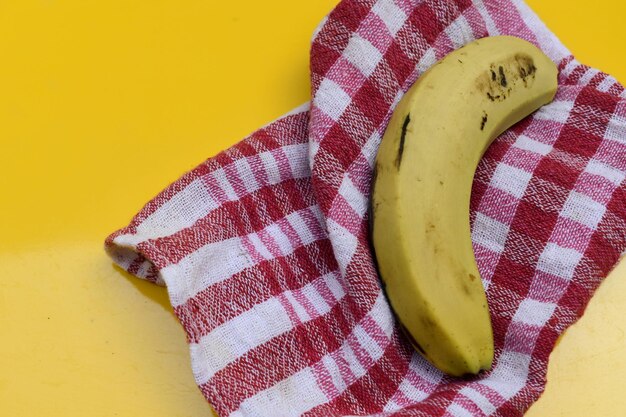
264, 248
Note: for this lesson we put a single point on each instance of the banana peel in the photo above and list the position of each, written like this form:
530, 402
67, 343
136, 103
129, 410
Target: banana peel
420, 199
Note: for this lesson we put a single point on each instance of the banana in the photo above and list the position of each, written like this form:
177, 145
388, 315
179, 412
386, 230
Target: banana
422, 182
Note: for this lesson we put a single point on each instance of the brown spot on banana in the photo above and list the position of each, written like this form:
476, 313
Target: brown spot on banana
502, 77
405, 126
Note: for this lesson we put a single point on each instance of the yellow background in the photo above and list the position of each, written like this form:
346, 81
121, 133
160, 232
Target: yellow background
102, 104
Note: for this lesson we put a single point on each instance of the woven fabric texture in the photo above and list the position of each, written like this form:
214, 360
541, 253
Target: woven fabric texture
264, 248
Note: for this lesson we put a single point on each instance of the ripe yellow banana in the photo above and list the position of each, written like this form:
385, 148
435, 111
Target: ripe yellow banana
422, 185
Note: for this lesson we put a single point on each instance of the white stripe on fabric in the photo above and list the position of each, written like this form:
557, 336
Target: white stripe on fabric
143, 269
428, 60
419, 368
531, 145
557, 111
345, 351
283, 403
215, 262
533, 312
606, 84
353, 196
250, 329
583, 209
616, 129
344, 244
288, 398
332, 369
362, 54
236, 337
489, 233
509, 375
459, 32
510, 179
611, 174
559, 261
333, 283
458, 411
182, 210
331, 99
259, 246
208, 265
123, 255
370, 148
480, 400
390, 14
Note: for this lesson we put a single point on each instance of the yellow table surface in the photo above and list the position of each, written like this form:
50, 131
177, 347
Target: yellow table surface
102, 104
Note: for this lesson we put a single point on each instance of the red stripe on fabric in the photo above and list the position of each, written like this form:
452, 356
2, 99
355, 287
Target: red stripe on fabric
322, 60
509, 21
398, 62
534, 222
370, 102
348, 217
411, 43
291, 311
293, 131
362, 127
224, 158
425, 18
476, 22
250, 214
350, 13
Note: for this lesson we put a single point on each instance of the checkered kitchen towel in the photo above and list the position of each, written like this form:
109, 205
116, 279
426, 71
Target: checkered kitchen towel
264, 248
